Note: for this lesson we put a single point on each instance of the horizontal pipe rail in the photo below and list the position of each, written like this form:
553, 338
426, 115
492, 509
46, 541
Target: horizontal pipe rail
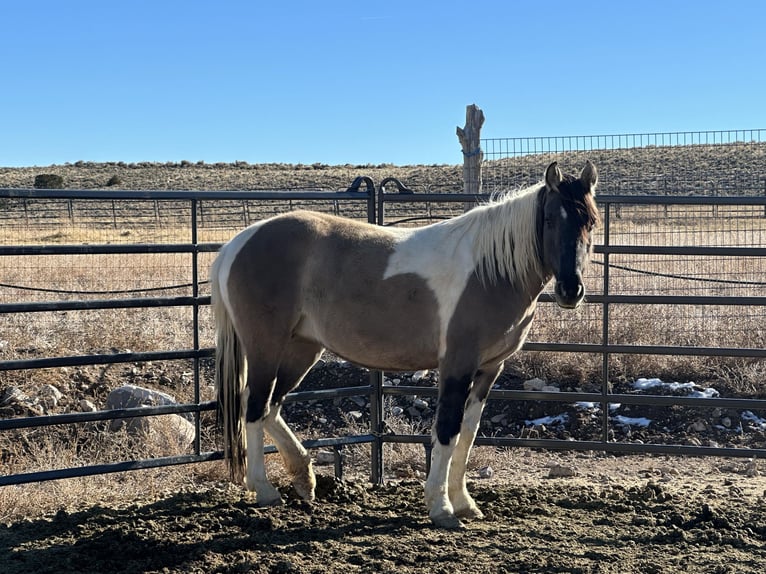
646, 350
579, 445
172, 195
144, 411
103, 359
568, 397
108, 468
108, 415
96, 304
125, 466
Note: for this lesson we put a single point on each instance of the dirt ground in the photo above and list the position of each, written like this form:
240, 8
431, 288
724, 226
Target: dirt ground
615, 514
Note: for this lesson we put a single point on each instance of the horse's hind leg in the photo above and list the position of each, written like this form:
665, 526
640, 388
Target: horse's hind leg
257, 395
299, 357
462, 502
296, 458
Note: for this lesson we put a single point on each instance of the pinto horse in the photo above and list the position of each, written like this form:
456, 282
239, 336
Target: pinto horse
463, 290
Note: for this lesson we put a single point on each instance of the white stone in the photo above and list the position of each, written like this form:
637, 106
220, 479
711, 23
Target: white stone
170, 432
420, 404
87, 407
50, 395
132, 396
486, 472
699, 425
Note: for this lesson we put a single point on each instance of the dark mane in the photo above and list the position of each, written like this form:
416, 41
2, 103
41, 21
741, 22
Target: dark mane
582, 201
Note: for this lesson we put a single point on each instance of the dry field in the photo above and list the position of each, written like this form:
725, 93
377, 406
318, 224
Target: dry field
642, 514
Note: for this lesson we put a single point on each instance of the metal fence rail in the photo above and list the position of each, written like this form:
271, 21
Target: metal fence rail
615, 284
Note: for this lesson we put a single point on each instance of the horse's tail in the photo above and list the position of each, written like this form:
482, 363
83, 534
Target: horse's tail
230, 376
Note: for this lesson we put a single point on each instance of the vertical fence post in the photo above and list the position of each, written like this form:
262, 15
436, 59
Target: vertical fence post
376, 424
470, 141
195, 326
605, 332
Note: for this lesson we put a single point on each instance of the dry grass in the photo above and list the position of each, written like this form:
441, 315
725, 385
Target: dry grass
79, 445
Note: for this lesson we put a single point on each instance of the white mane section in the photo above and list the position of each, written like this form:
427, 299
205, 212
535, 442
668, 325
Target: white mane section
505, 236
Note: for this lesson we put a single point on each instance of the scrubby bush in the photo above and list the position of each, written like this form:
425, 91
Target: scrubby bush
49, 181
114, 180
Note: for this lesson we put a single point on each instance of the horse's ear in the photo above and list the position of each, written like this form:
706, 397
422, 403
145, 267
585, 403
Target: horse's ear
589, 176
553, 176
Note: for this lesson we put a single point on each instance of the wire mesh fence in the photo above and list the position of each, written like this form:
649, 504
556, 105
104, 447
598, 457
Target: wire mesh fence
716, 163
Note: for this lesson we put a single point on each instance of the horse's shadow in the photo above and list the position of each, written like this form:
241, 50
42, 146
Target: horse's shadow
178, 531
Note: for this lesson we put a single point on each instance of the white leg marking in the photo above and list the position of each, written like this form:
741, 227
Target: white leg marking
255, 477
440, 510
297, 460
462, 502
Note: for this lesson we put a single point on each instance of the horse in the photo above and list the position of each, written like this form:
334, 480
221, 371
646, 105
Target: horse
464, 290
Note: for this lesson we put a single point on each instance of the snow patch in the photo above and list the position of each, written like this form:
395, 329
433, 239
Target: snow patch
754, 419
693, 390
548, 421
593, 406
631, 421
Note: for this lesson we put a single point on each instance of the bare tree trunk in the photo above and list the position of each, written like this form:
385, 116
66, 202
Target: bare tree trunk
470, 140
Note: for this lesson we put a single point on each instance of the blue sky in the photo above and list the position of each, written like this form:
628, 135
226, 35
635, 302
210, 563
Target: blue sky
363, 81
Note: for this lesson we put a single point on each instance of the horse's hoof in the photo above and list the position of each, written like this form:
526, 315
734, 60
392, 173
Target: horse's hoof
266, 498
305, 491
447, 521
470, 513
265, 502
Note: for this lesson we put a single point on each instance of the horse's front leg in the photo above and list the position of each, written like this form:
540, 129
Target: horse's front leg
462, 502
453, 393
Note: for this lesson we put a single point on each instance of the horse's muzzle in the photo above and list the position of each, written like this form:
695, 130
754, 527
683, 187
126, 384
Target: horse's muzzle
569, 296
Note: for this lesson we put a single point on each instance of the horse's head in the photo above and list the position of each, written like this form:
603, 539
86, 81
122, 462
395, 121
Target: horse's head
568, 216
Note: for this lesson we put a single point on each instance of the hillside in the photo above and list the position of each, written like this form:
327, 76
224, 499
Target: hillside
722, 169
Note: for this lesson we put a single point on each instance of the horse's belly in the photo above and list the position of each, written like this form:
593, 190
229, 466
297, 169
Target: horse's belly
375, 342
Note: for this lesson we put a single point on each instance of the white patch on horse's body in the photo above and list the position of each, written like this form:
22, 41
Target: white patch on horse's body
226, 257
563, 213
444, 261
